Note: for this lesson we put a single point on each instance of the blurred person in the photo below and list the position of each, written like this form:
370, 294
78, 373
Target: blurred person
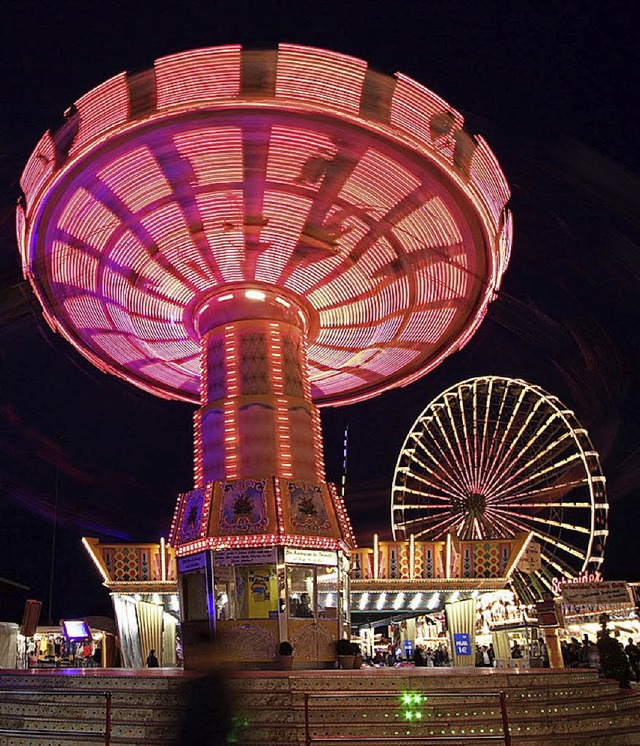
544, 652
593, 656
633, 654
152, 661
208, 712
429, 658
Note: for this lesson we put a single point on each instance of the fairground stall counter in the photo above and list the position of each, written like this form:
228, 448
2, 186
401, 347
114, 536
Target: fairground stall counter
582, 602
141, 579
448, 596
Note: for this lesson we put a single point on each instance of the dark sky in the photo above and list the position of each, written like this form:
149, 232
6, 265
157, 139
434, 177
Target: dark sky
552, 87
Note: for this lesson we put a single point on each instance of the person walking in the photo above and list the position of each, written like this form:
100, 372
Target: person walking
633, 654
544, 652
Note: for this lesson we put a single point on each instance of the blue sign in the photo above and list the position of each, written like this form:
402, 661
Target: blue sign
408, 648
462, 643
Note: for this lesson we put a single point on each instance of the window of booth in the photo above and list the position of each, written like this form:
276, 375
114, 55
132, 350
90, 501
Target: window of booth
312, 592
301, 581
225, 593
246, 592
194, 596
327, 592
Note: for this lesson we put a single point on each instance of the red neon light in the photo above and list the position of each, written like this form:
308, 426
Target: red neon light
410, 249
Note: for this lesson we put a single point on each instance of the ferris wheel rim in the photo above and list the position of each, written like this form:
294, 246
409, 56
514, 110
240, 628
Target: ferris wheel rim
584, 454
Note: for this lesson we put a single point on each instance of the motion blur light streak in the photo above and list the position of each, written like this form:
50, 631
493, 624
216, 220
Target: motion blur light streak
565, 140
366, 211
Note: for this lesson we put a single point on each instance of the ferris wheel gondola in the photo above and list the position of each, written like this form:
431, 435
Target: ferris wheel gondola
491, 457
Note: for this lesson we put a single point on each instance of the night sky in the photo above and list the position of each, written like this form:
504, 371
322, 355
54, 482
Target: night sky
553, 90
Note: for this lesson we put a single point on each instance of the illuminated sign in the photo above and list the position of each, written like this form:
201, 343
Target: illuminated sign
462, 643
75, 629
310, 556
257, 556
191, 563
581, 598
584, 577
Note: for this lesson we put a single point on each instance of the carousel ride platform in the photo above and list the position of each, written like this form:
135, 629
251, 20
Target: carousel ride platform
390, 706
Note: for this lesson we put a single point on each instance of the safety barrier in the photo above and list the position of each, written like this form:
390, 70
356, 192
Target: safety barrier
37, 734
424, 697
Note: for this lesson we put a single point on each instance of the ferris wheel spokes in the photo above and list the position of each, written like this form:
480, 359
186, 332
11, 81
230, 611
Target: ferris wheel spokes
502, 456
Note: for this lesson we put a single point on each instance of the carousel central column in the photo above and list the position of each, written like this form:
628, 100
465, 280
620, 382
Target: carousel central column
256, 417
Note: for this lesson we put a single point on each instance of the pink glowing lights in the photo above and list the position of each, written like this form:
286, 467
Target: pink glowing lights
297, 168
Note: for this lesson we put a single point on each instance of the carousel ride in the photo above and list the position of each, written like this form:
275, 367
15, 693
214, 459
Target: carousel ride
491, 457
260, 234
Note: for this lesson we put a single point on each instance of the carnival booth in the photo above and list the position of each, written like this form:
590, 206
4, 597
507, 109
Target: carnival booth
251, 597
442, 596
9, 651
583, 600
143, 586
71, 644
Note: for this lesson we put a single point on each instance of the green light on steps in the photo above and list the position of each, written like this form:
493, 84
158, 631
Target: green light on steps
411, 701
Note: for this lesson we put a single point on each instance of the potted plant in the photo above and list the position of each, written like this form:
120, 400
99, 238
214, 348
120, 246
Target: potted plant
357, 655
285, 656
344, 653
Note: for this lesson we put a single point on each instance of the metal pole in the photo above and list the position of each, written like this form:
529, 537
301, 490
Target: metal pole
107, 725
307, 729
54, 533
345, 451
505, 719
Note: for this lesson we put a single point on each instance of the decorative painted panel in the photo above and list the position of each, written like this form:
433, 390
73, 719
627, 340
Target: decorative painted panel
243, 507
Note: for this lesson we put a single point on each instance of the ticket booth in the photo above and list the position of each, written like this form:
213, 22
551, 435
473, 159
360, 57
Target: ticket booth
249, 600
262, 562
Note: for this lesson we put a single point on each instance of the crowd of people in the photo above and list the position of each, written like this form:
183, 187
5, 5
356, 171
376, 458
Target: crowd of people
576, 654
431, 657
485, 656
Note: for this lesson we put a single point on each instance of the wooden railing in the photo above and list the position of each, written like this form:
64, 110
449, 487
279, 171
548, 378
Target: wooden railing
424, 697
38, 734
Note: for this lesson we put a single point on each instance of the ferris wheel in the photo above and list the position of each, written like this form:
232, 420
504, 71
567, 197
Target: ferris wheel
494, 456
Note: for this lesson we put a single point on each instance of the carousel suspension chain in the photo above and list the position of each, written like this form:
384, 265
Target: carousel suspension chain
549, 454
558, 489
560, 524
540, 475
554, 482
557, 542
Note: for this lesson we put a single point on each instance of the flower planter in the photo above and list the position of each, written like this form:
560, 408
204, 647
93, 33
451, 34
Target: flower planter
346, 661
